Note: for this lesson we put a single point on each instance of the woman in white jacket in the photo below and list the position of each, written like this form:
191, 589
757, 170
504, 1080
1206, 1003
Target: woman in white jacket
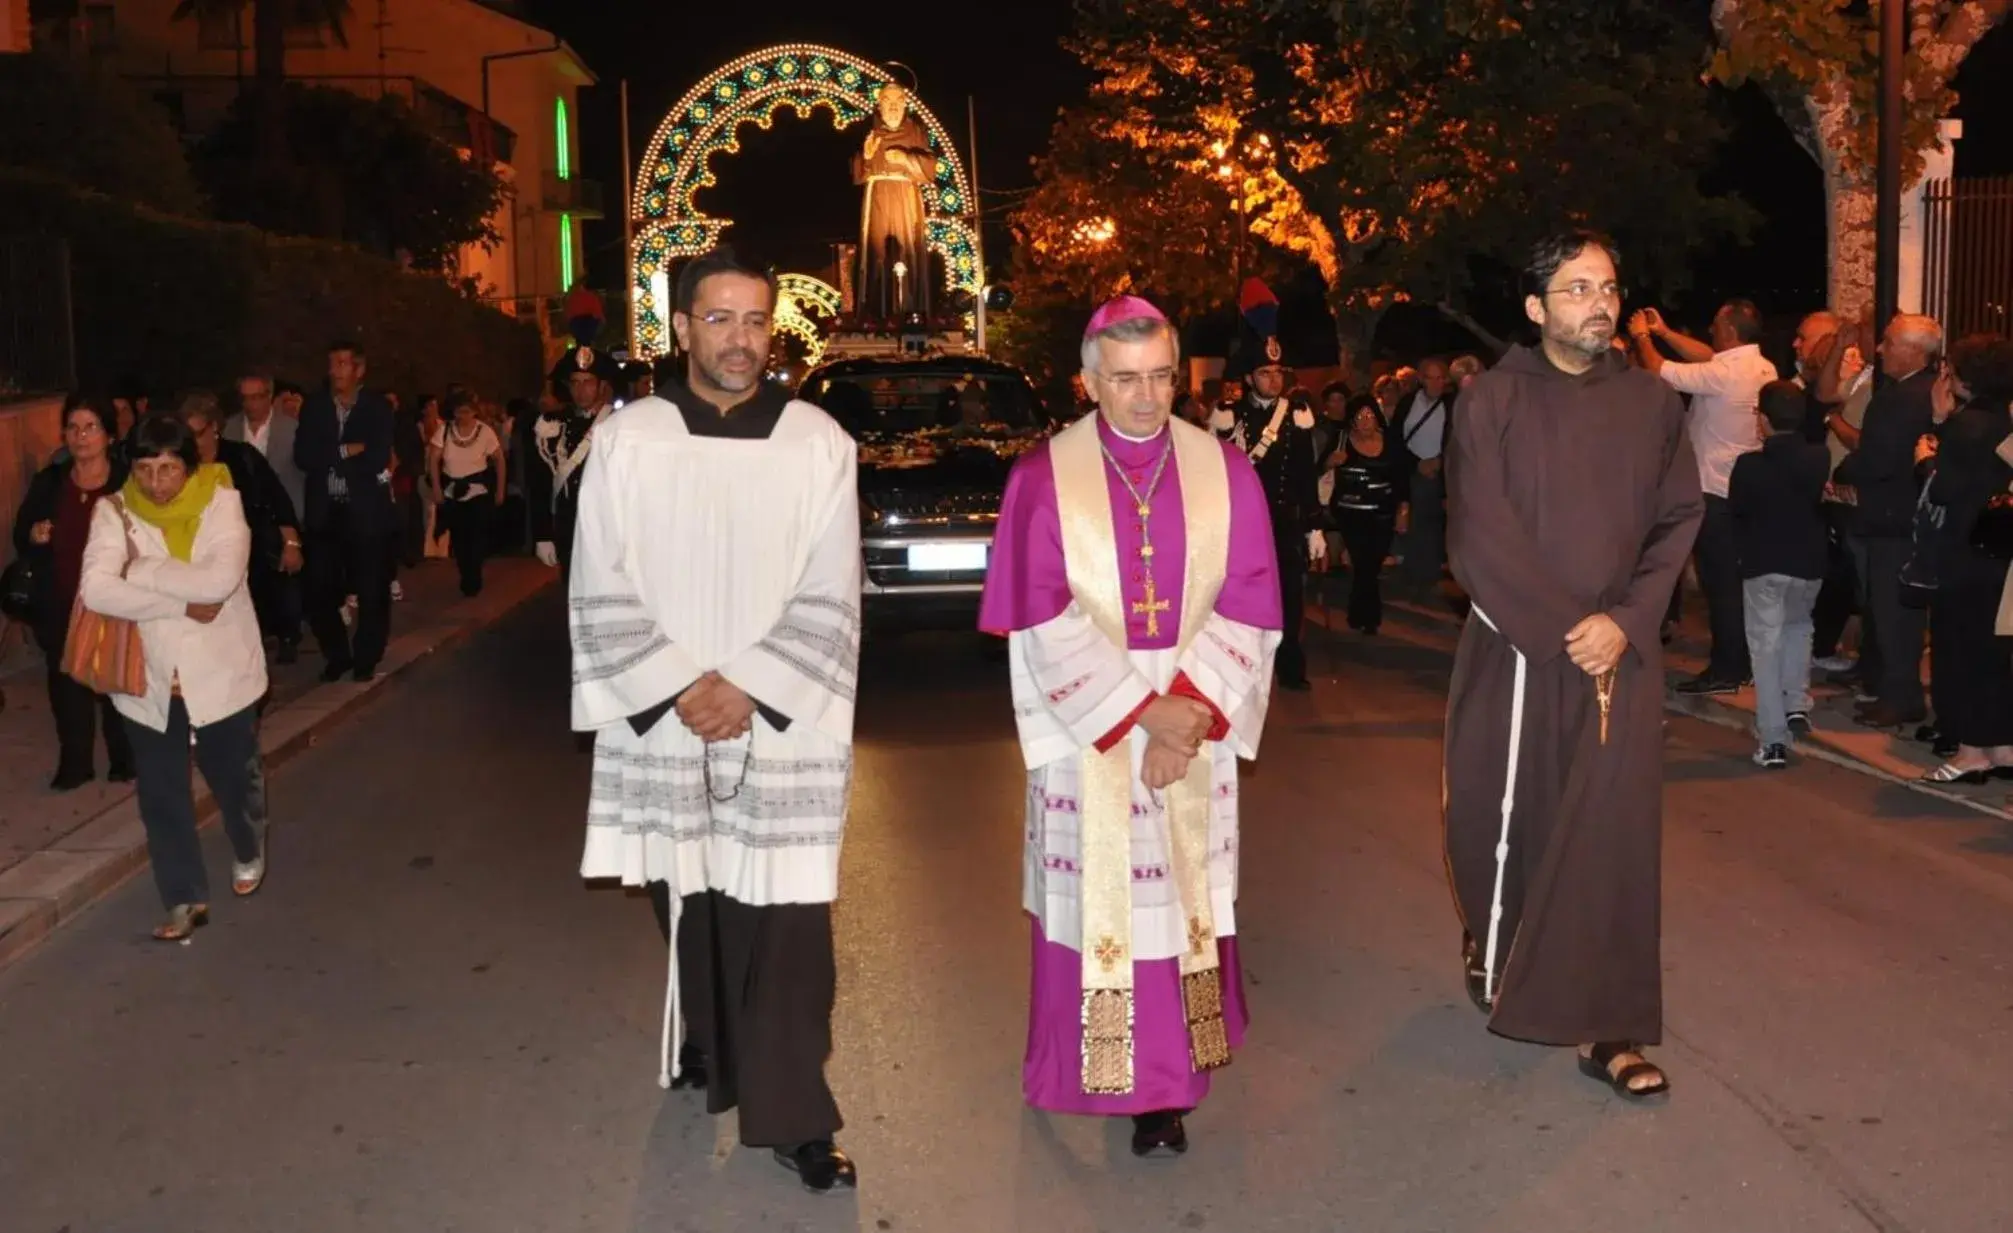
170, 552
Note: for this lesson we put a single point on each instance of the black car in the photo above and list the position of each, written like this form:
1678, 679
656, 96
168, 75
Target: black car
937, 436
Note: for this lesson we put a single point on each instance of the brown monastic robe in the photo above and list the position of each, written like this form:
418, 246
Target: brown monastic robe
1567, 495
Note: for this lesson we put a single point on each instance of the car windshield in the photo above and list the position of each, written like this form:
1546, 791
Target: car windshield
869, 404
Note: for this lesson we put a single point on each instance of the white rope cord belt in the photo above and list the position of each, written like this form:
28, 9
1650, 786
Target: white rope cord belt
1509, 803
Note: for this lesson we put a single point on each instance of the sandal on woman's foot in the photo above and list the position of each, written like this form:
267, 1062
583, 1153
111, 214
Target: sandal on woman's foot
183, 920
1477, 976
1600, 1064
1950, 772
247, 877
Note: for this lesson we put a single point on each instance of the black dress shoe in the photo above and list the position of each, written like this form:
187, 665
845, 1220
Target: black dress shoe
1159, 1132
820, 1164
1704, 686
121, 774
364, 674
691, 1069
335, 670
1298, 684
70, 781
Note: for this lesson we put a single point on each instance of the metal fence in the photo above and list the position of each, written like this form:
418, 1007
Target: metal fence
1968, 255
38, 344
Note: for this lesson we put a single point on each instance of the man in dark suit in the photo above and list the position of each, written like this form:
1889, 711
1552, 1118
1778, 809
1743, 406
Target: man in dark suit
276, 593
343, 447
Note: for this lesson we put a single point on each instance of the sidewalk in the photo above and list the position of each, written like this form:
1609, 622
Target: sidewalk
59, 852
1834, 737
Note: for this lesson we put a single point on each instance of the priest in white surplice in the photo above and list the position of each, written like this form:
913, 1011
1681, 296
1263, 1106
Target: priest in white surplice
1134, 577
715, 613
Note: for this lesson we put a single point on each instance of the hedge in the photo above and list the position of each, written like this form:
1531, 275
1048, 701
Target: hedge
179, 303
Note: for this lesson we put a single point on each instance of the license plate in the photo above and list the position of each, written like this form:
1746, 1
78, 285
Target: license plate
947, 558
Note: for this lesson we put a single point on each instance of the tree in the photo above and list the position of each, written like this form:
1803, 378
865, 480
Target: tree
1819, 63
1391, 143
80, 123
271, 21
365, 170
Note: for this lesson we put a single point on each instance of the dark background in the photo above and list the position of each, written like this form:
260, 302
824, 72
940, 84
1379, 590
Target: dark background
790, 194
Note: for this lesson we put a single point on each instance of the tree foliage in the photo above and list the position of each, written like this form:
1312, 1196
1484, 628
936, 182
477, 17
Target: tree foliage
1391, 143
271, 20
362, 170
1813, 56
82, 124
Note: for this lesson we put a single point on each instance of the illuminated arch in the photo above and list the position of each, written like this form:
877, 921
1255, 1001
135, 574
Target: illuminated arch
707, 121
800, 301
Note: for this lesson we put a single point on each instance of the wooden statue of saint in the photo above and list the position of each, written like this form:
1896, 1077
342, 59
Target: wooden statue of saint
894, 166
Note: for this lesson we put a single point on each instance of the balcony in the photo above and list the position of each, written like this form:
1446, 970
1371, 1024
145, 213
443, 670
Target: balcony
575, 196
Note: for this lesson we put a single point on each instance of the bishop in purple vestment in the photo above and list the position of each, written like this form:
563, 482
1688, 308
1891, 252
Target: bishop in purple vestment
1077, 691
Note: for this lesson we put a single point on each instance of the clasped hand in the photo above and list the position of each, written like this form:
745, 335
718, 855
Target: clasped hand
1176, 727
1596, 644
715, 709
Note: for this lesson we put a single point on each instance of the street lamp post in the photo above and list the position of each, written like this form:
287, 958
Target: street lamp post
1237, 169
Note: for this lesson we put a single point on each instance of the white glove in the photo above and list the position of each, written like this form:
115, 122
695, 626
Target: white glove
1317, 546
548, 556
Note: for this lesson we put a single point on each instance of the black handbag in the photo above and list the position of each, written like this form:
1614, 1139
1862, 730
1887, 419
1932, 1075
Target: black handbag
17, 590
1992, 534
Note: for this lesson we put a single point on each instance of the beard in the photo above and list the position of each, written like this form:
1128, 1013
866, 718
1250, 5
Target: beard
715, 370
1591, 337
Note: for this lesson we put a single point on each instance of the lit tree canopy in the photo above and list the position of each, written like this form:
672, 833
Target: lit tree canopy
1819, 62
1388, 142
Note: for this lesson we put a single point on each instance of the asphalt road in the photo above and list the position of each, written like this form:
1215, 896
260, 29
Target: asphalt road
426, 1022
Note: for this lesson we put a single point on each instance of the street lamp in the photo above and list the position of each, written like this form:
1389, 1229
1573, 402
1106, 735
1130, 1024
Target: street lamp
1237, 170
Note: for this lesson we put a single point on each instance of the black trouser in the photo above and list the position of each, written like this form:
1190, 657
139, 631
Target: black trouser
276, 596
1290, 543
1719, 576
1897, 628
78, 713
1970, 666
1426, 539
411, 529
340, 564
1838, 598
227, 752
467, 523
1367, 535
758, 985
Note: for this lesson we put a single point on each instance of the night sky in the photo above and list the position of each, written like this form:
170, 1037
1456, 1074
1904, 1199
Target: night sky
789, 189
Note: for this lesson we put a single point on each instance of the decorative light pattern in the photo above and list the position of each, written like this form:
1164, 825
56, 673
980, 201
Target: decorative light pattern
798, 297
566, 252
562, 140
677, 164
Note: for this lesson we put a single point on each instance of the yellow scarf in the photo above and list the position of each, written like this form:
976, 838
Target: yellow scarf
179, 519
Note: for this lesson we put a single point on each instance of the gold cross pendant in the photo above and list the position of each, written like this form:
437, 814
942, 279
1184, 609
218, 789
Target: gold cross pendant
1604, 694
1151, 607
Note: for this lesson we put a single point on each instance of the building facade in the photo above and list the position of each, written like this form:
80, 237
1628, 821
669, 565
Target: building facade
489, 83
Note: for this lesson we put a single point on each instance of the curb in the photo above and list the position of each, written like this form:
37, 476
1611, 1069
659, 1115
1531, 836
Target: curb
1817, 746
51, 887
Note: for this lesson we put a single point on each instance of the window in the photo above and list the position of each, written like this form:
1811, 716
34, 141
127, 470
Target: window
219, 31
875, 405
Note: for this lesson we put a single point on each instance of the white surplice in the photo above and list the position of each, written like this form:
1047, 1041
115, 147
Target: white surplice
1072, 686
696, 554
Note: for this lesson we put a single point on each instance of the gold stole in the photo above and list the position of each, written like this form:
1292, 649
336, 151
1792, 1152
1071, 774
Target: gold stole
1090, 559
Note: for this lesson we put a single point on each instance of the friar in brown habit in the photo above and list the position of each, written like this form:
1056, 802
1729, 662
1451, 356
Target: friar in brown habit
1573, 500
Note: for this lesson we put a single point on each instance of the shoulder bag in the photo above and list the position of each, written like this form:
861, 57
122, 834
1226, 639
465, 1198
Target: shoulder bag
104, 653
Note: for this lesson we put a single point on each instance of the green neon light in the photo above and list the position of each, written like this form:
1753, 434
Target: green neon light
565, 252
561, 139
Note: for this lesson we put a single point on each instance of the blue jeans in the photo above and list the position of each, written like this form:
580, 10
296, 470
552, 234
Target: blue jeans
1778, 615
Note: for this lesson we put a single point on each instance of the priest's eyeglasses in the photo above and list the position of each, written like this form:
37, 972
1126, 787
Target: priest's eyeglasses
1159, 379
721, 318
1580, 291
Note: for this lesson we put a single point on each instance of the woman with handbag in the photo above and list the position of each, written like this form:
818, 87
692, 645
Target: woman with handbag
465, 459
168, 555
1370, 490
49, 533
1971, 668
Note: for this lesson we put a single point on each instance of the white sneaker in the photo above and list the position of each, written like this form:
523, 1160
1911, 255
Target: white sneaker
1834, 663
397, 590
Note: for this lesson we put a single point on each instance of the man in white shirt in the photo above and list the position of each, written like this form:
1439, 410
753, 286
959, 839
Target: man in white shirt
1724, 380
1419, 430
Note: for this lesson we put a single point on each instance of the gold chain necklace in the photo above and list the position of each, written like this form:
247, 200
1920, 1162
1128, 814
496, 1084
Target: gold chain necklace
1152, 606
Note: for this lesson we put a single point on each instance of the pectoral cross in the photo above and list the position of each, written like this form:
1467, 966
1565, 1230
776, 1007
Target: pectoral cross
1152, 606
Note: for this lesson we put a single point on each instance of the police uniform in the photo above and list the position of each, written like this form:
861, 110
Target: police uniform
560, 441
1280, 437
